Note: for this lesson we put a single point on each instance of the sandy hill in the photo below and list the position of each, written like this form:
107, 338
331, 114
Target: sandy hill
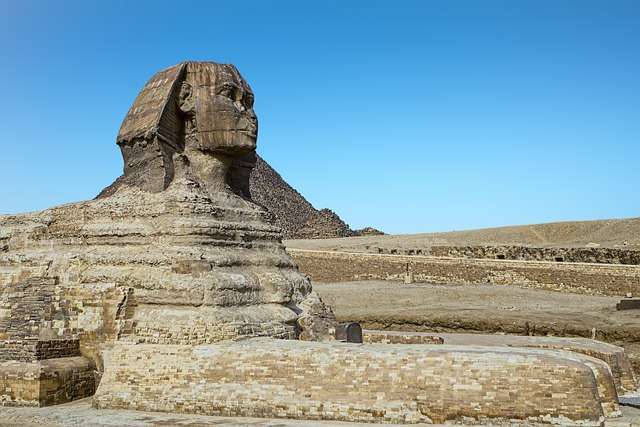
611, 233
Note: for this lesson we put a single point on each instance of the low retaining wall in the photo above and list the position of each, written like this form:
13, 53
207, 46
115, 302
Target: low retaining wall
355, 382
601, 279
521, 253
370, 336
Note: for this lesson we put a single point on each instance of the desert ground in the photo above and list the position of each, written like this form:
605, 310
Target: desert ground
490, 308
80, 414
498, 309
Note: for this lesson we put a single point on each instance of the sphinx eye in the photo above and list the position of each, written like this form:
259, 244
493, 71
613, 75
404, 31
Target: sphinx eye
227, 91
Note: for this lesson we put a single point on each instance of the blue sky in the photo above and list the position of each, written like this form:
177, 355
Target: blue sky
409, 116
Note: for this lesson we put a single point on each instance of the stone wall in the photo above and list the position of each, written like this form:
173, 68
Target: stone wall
601, 279
30, 350
399, 337
354, 382
36, 307
612, 355
521, 253
40, 361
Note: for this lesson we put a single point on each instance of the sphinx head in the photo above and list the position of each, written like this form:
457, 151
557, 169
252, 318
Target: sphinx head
201, 112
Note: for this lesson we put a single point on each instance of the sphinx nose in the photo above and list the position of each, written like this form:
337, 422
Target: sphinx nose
240, 106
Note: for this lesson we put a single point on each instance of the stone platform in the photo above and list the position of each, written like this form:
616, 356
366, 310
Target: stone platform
382, 383
612, 355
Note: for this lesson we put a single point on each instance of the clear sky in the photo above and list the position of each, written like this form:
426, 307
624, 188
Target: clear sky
408, 116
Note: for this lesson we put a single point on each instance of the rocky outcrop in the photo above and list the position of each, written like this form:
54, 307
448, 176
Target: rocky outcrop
368, 231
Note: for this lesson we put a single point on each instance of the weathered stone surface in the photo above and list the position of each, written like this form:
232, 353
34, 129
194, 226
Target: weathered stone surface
46, 382
612, 355
354, 382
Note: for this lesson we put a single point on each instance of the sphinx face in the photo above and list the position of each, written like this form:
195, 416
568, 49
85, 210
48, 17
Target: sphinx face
222, 101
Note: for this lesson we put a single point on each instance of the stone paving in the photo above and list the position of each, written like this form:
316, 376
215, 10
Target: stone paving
81, 414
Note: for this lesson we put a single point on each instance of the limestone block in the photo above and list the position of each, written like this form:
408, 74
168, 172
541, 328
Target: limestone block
46, 382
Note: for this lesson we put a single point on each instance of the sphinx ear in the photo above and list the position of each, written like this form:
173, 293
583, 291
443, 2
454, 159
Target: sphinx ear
186, 102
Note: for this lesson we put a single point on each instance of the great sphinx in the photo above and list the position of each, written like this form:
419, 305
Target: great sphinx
174, 251
172, 291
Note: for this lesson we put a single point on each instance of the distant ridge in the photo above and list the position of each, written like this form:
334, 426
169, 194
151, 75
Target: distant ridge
294, 214
607, 233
